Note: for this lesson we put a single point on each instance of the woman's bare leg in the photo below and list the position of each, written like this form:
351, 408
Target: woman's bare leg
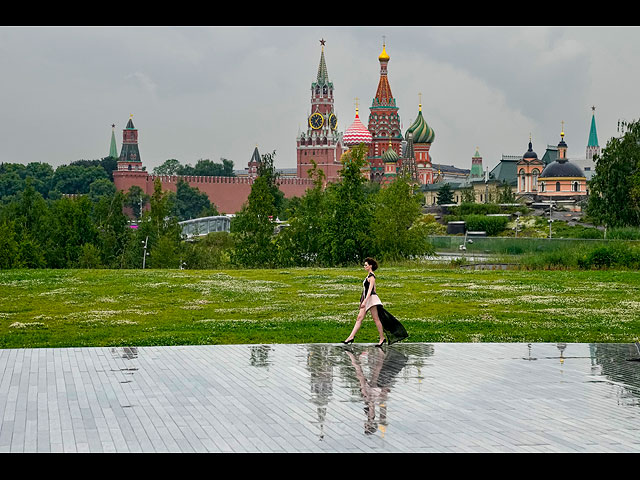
358, 324
376, 319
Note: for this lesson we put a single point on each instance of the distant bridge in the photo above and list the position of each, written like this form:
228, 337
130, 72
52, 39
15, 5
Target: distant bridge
199, 227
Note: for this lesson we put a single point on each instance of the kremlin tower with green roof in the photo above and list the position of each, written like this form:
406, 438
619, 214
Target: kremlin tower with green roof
130, 155
321, 143
592, 145
113, 149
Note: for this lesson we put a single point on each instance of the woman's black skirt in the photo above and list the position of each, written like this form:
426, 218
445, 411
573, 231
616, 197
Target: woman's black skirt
393, 329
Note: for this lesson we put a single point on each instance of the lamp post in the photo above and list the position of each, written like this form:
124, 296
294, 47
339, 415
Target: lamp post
144, 255
486, 185
550, 219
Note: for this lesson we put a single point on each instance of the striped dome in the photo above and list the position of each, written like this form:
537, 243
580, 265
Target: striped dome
422, 133
357, 133
390, 156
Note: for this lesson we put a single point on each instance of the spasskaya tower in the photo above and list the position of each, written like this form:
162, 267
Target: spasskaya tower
321, 142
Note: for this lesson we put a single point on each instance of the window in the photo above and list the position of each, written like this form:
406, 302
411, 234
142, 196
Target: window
557, 186
542, 186
576, 187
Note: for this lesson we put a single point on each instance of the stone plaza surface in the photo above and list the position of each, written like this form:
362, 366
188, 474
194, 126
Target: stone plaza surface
409, 397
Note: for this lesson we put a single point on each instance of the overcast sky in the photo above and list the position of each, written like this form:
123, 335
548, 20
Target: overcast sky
212, 92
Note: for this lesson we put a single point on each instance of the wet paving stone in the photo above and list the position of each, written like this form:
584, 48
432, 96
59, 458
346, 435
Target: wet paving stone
410, 397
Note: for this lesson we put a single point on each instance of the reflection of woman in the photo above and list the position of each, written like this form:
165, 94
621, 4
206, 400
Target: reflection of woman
385, 322
384, 368
372, 393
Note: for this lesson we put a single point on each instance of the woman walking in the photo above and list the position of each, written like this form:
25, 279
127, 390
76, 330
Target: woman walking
369, 301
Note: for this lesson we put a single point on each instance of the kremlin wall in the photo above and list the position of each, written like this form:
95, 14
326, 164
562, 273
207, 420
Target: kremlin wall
390, 153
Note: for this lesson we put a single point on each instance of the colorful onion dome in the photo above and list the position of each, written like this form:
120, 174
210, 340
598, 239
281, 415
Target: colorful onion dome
422, 133
390, 156
357, 133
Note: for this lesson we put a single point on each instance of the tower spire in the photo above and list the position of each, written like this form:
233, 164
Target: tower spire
592, 145
593, 135
323, 74
113, 150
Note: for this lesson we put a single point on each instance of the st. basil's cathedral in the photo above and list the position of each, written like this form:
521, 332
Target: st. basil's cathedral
389, 152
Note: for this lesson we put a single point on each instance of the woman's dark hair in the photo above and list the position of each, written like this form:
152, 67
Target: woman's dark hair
372, 262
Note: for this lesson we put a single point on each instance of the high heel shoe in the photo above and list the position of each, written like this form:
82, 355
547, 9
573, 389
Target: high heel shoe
379, 345
347, 342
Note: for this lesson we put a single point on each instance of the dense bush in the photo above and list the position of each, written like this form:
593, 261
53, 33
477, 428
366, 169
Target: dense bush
624, 233
614, 254
483, 223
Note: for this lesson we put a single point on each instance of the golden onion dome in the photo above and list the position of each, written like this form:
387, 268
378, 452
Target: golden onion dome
384, 56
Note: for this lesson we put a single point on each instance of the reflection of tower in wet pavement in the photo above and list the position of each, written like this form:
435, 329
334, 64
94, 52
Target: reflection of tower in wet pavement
320, 369
260, 356
529, 357
561, 347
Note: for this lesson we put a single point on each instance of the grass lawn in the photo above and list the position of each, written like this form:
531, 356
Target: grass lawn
72, 308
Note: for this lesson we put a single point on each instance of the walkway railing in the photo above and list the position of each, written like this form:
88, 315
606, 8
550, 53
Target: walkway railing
198, 227
511, 245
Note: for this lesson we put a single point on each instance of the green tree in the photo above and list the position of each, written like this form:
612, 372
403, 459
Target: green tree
253, 229
165, 253
267, 170
89, 256
8, 246
189, 202
74, 179
136, 200
211, 251
102, 187
169, 167
347, 214
445, 195
467, 195
113, 228
505, 193
206, 167
30, 254
70, 226
395, 233
614, 198
299, 243
11, 183
159, 228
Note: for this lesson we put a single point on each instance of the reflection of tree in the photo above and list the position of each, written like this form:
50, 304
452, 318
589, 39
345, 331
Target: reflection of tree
320, 366
125, 352
383, 368
614, 361
260, 355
